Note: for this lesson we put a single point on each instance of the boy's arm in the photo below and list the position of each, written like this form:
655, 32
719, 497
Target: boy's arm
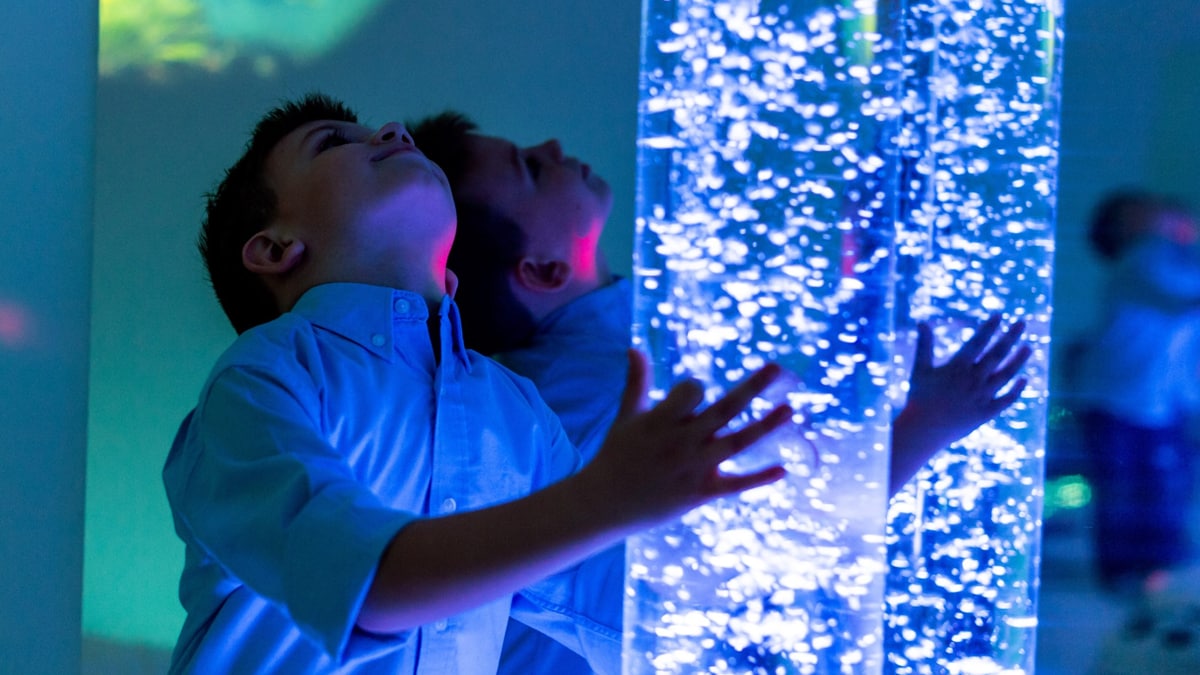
654, 465
947, 402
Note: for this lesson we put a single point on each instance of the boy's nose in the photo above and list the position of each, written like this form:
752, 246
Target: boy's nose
391, 132
552, 149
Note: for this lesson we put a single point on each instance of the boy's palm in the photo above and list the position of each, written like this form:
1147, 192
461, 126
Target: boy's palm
956, 397
661, 462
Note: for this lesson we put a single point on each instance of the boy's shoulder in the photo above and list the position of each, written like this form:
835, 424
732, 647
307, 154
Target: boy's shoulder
498, 371
358, 313
274, 347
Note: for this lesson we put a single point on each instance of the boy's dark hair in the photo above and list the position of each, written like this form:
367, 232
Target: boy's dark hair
243, 205
487, 246
1119, 217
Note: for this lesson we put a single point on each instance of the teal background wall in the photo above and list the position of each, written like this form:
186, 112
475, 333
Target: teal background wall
46, 118
525, 69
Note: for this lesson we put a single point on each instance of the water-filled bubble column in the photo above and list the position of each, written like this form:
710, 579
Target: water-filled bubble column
764, 232
979, 148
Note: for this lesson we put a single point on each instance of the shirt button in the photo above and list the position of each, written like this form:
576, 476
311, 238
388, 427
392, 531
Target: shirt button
378, 339
401, 306
449, 505
440, 625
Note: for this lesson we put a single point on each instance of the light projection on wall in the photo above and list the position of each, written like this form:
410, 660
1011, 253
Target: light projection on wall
154, 36
815, 176
16, 325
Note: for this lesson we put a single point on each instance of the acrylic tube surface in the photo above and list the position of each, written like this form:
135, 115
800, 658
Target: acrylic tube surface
979, 150
765, 232
814, 178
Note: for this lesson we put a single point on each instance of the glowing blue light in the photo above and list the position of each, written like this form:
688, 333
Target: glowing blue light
815, 177
765, 233
978, 177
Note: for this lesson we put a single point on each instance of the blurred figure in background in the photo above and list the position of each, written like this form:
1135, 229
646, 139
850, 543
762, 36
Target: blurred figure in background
1137, 384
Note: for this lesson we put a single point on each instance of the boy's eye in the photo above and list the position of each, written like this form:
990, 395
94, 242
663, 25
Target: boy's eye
331, 140
533, 166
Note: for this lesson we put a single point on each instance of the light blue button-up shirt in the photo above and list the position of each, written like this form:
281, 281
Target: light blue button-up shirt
316, 438
577, 360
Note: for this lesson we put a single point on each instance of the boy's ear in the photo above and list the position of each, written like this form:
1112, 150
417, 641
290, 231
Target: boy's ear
546, 276
270, 254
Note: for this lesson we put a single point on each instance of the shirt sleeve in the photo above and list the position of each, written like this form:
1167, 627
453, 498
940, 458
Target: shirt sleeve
260, 491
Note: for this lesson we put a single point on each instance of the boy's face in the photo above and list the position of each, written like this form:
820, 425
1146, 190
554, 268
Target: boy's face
1178, 226
363, 200
558, 202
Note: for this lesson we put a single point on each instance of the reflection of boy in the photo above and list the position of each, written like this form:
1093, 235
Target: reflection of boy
356, 490
1137, 380
538, 290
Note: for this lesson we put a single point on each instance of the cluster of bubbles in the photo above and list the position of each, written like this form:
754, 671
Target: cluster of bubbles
978, 155
816, 176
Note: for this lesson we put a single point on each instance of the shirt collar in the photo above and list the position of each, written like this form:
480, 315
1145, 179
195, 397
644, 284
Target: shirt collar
452, 337
367, 315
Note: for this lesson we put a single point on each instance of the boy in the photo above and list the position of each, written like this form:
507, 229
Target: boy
538, 293
356, 490
1136, 377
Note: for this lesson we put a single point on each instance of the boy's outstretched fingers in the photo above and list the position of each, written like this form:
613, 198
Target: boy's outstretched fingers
660, 462
1003, 345
728, 445
948, 401
637, 383
722, 447
731, 444
1007, 372
972, 348
679, 402
726, 484
956, 397
999, 364
717, 415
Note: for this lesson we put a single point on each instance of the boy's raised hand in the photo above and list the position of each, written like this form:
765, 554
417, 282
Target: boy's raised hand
661, 462
947, 402
654, 464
